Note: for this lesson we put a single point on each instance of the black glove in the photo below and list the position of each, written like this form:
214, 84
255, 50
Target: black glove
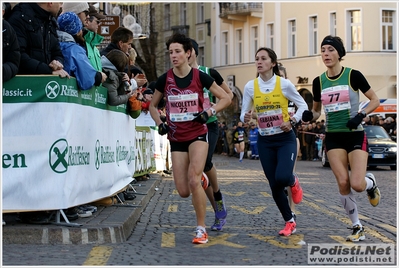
307, 116
163, 129
201, 117
163, 118
355, 121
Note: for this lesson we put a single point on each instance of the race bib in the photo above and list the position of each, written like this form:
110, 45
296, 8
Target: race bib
336, 98
182, 107
270, 121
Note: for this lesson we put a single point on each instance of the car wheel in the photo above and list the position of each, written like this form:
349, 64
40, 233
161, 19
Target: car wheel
324, 160
393, 167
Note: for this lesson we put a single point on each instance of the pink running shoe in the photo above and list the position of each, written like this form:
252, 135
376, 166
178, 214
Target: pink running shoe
296, 191
290, 228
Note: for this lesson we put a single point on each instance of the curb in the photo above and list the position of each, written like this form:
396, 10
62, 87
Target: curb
113, 224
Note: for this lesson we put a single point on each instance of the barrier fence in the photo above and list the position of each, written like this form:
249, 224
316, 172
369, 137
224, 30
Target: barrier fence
64, 147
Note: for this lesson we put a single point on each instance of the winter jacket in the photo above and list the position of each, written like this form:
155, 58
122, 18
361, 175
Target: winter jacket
76, 62
114, 84
36, 31
92, 41
11, 53
110, 47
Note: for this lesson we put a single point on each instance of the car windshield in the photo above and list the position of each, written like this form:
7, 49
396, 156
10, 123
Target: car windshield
375, 132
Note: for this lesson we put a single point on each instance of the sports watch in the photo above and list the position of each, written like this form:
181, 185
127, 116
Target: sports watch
213, 111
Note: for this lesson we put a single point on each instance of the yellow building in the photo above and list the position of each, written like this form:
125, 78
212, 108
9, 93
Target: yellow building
295, 31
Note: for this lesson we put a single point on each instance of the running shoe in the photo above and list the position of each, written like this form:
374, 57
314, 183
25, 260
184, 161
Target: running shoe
296, 191
204, 181
218, 224
293, 215
201, 237
373, 194
221, 211
357, 234
290, 228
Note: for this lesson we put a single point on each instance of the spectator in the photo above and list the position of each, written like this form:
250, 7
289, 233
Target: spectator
137, 78
40, 54
122, 39
224, 137
147, 97
92, 38
253, 141
80, 9
11, 53
389, 125
310, 141
114, 64
76, 62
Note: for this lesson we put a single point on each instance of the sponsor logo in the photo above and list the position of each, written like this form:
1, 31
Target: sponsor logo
100, 98
62, 156
104, 155
52, 89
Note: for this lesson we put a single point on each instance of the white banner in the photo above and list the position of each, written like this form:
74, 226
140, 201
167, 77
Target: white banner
59, 154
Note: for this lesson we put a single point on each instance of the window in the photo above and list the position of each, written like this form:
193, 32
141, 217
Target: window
201, 56
183, 14
292, 38
225, 50
200, 13
270, 36
388, 30
333, 24
167, 17
313, 36
238, 58
254, 40
355, 30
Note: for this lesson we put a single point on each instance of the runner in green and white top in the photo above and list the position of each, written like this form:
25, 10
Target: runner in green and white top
338, 90
213, 192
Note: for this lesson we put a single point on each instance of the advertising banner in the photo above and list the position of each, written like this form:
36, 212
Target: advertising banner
64, 147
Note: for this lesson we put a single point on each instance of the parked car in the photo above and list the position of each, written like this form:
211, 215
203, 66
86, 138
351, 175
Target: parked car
381, 148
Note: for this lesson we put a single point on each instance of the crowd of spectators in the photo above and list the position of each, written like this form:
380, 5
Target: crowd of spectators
61, 39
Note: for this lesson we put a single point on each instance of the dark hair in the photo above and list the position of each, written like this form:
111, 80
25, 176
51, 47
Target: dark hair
337, 43
121, 34
118, 58
181, 39
273, 57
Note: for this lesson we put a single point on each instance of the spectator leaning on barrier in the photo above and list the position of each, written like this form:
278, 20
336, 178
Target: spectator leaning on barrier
81, 9
40, 53
76, 62
11, 53
114, 64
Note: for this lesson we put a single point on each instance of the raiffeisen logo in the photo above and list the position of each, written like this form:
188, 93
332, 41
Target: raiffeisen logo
58, 156
100, 98
122, 153
104, 154
69, 91
52, 89
62, 156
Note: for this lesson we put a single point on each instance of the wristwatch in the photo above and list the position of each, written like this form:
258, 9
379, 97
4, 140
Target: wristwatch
293, 123
213, 111
363, 112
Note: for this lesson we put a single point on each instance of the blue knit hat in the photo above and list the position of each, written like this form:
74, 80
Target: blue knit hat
69, 22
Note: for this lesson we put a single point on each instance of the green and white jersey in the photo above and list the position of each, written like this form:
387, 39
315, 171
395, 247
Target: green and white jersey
340, 101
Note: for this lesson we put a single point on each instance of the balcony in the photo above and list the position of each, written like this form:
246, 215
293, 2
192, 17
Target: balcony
240, 11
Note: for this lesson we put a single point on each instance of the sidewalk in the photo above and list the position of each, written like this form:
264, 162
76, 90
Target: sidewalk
112, 224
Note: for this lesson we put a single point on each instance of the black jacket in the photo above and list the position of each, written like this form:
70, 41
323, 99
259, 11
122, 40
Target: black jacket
36, 30
108, 48
11, 53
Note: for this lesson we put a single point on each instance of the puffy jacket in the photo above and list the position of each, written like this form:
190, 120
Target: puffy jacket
114, 84
36, 31
11, 53
92, 41
76, 62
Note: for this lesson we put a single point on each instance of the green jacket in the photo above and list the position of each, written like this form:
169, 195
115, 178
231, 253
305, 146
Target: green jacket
92, 40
